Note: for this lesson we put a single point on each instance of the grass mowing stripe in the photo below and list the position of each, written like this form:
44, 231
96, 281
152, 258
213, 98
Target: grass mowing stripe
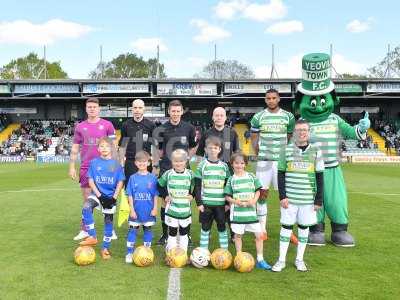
36, 190
174, 284
377, 194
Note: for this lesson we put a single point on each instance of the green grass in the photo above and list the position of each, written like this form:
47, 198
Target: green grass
36, 247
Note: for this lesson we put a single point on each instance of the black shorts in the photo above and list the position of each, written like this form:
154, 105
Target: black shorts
212, 213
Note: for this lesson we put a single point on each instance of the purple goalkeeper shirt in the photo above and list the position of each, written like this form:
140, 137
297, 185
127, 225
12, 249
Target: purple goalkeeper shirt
87, 136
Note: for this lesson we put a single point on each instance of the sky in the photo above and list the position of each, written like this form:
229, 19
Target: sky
244, 30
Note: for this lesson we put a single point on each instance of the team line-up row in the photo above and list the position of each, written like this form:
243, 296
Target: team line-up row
215, 191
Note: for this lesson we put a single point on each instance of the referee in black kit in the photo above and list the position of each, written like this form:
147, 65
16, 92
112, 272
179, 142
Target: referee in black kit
136, 135
229, 140
172, 135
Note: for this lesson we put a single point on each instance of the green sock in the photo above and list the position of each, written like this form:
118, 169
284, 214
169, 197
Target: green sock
223, 239
204, 237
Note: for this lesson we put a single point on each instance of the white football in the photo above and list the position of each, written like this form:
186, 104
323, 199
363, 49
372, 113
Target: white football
200, 257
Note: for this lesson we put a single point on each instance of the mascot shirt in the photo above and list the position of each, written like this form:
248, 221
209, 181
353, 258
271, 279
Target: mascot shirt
213, 176
300, 168
273, 129
106, 173
143, 188
243, 188
179, 186
327, 135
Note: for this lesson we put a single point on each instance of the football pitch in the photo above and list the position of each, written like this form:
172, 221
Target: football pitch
41, 211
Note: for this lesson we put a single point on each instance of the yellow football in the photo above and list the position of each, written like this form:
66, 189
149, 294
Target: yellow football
221, 259
176, 257
244, 262
143, 256
84, 255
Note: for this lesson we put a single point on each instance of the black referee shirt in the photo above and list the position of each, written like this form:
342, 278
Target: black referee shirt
229, 140
136, 136
171, 137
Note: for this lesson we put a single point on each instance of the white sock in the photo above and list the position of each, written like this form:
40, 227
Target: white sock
301, 247
260, 257
183, 242
171, 242
284, 243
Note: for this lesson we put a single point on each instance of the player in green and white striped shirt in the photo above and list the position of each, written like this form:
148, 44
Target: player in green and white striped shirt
300, 182
243, 190
178, 182
210, 178
270, 129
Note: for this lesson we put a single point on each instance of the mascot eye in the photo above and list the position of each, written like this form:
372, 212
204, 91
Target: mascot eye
323, 101
313, 103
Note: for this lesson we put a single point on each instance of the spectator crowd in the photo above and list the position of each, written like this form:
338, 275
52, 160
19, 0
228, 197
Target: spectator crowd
388, 131
35, 136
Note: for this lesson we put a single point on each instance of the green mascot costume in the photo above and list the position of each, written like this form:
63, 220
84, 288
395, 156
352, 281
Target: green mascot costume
316, 100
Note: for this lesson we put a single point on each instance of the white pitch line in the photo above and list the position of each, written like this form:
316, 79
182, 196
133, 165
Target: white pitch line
378, 194
36, 190
174, 284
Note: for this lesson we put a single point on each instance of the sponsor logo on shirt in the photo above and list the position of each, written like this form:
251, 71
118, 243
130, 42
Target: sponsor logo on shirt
105, 180
142, 196
273, 128
209, 183
323, 128
300, 166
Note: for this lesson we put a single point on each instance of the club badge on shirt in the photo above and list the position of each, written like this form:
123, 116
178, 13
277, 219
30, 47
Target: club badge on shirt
183, 139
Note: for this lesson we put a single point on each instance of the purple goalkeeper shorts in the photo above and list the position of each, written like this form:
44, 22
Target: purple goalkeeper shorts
83, 178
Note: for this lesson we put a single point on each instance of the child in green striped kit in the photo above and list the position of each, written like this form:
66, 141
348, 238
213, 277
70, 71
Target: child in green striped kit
176, 186
210, 178
243, 190
300, 183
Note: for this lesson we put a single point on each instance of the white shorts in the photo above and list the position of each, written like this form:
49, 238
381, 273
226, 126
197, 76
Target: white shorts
146, 224
267, 173
262, 209
241, 228
301, 214
173, 222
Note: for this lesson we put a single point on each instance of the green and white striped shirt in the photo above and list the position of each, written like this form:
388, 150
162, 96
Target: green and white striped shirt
326, 135
243, 188
179, 186
300, 167
273, 129
213, 176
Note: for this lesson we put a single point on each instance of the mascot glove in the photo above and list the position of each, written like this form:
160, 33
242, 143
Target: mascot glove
364, 123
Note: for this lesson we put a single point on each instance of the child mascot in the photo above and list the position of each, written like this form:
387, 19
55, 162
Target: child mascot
315, 101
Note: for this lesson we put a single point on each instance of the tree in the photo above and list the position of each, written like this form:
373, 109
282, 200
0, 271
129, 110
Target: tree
128, 65
389, 67
226, 69
32, 67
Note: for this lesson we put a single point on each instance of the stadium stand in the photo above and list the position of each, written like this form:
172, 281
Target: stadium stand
46, 137
352, 148
4, 122
390, 137
246, 146
54, 137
